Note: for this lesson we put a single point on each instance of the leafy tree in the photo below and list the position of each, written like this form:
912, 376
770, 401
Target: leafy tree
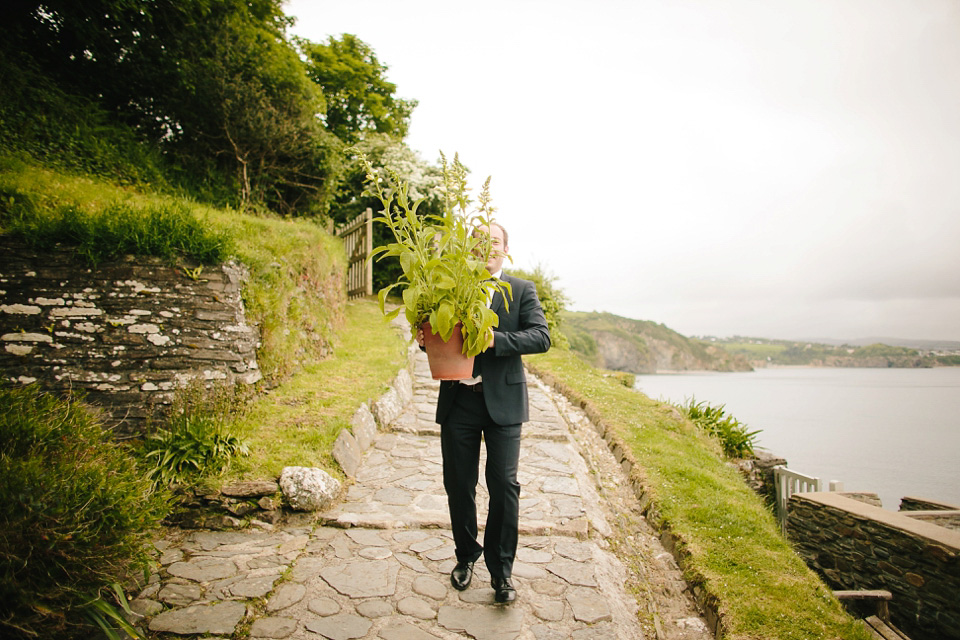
81, 44
359, 98
253, 109
126, 53
242, 112
384, 151
215, 83
553, 300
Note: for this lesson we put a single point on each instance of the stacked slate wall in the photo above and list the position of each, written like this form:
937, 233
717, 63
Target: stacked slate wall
126, 333
939, 513
854, 545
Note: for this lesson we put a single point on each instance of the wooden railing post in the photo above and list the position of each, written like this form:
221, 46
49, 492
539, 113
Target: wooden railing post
786, 483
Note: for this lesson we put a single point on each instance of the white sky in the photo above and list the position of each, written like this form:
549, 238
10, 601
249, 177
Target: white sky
781, 169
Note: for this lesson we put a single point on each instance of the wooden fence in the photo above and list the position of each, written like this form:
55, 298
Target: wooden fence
358, 241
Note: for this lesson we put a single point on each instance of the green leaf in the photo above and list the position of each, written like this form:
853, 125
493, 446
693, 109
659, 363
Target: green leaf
444, 281
382, 296
408, 262
109, 619
121, 597
446, 321
410, 295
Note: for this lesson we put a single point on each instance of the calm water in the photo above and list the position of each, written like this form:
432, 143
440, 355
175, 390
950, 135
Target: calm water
895, 432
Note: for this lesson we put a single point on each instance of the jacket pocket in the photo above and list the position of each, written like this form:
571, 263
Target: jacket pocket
516, 377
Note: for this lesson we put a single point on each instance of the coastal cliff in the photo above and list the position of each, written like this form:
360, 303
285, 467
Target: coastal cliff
640, 346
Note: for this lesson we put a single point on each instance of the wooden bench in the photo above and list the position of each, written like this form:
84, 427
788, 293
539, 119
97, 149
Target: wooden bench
879, 625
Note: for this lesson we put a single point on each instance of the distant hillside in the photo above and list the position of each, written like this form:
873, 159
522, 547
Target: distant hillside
762, 352
922, 345
640, 346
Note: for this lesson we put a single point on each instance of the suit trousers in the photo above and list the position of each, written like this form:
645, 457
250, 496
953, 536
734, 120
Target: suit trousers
460, 437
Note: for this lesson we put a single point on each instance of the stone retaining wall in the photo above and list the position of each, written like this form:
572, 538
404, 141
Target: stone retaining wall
127, 333
948, 519
855, 545
758, 474
923, 504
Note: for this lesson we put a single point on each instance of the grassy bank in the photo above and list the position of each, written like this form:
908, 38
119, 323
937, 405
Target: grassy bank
294, 289
729, 542
296, 423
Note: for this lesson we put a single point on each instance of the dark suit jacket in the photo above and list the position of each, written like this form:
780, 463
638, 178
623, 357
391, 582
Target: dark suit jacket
522, 330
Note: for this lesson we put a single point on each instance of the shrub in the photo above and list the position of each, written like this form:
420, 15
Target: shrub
39, 118
76, 514
580, 341
736, 441
195, 442
553, 300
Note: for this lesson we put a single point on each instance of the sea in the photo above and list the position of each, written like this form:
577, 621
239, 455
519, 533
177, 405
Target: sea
893, 432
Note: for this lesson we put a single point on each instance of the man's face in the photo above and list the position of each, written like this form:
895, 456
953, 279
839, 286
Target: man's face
498, 250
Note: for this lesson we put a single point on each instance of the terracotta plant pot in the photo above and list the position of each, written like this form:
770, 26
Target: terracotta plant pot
446, 359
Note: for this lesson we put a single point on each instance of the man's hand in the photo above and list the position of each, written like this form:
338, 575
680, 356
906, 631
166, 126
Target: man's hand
420, 337
490, 342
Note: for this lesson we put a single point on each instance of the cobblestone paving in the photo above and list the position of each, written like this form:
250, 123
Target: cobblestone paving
377, 564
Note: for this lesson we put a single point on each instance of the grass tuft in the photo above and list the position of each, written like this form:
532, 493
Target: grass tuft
196, 440
736, 440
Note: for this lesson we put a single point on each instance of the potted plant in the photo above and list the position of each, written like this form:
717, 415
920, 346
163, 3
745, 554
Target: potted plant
445, 285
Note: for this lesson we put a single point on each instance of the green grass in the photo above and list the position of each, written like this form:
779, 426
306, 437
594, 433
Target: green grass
168, 230
730, 542
297, 423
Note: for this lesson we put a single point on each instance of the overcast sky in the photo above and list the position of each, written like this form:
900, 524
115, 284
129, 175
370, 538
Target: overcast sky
780, 169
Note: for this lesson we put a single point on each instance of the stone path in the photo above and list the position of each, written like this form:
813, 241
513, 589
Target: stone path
377, 564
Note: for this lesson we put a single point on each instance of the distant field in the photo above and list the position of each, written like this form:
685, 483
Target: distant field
753, 351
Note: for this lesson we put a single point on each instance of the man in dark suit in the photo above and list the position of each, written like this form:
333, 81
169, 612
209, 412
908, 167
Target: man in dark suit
493, 404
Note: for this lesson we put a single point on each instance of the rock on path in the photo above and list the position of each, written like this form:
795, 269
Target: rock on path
377, 565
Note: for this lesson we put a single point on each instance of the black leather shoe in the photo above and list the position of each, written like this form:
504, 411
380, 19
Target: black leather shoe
461, 575
503, 591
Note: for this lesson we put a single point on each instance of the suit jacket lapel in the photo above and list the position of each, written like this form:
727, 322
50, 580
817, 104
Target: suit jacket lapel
496, 305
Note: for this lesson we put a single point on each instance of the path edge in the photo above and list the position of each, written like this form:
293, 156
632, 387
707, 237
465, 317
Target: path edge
708, 602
